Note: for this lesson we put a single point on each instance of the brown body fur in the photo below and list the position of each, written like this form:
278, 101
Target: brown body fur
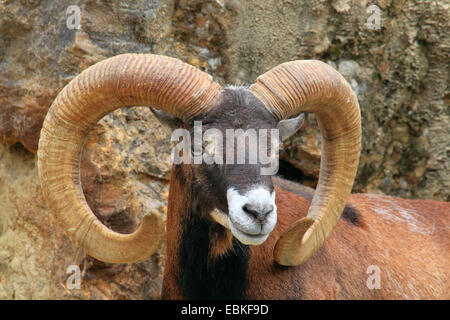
407, 239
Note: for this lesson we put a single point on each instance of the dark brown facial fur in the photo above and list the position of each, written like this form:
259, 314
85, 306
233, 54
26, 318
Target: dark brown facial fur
204, 259
236, 108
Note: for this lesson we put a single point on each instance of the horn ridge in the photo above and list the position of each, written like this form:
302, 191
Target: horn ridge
313, 86
122, 81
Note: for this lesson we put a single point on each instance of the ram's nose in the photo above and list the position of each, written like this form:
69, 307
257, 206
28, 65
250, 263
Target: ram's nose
258, 209
252, 215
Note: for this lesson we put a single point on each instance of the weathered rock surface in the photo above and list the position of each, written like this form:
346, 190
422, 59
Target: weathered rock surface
34, 252
399, 72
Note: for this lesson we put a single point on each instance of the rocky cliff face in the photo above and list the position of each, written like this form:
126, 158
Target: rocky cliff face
399, 72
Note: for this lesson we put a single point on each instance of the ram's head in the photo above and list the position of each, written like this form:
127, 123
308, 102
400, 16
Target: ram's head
242, 192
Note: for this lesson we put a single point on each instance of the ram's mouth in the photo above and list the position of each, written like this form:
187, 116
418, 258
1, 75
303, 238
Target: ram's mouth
246, 238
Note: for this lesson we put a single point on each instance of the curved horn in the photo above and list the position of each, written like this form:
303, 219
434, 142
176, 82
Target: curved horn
122, 81
314, 86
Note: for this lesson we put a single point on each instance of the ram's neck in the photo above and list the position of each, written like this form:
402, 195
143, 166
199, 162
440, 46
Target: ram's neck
203, 260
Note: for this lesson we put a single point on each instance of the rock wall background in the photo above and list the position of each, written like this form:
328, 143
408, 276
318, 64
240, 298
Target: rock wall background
399, 72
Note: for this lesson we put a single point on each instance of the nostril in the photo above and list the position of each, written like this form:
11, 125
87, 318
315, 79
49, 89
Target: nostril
269, 210
250, 211
265, 214
258, 214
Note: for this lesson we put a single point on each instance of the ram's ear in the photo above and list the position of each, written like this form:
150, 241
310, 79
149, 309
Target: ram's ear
168, 121
289, 127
